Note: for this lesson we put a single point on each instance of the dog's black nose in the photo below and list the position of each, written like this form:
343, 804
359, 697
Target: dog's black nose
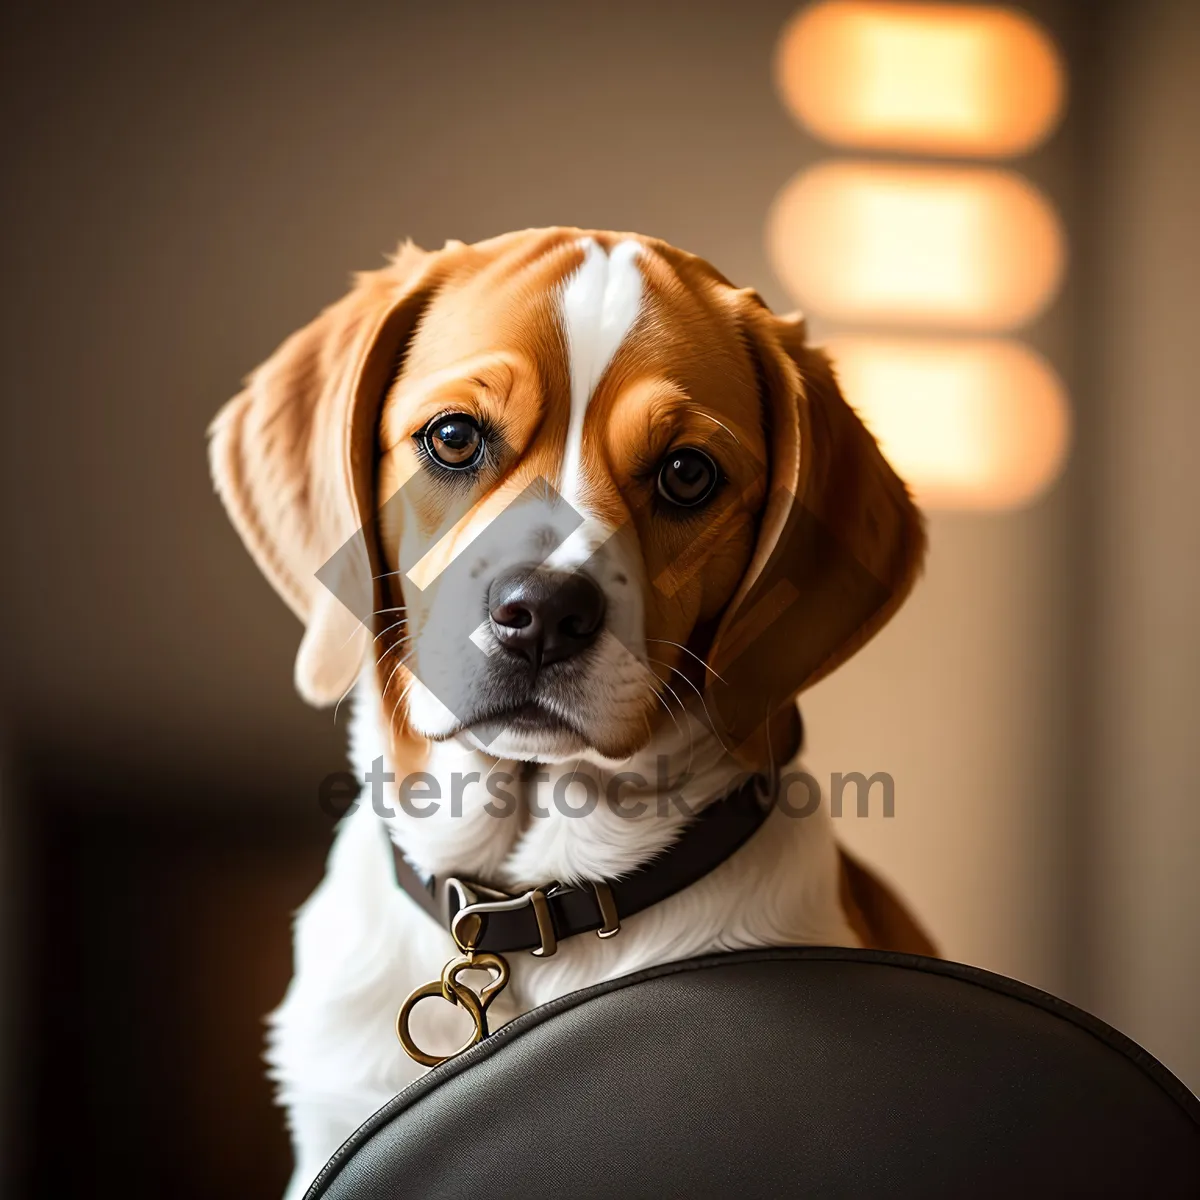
545, 616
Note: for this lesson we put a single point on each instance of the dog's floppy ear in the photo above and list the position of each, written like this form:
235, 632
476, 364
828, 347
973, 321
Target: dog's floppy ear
839, 546
293, 458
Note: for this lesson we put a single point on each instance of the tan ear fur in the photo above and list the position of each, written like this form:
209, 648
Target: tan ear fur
292, 458
840, 541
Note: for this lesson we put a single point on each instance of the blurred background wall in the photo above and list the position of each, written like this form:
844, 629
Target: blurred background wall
1142, 891
185, 186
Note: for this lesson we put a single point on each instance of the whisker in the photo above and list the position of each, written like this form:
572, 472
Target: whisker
389, 629
399, 645
669, 710
700, 696
400, 700
403, 692
342, 697
361, 626
668, 642
712, 725
666, 708
397, 667
353, 634
682, 707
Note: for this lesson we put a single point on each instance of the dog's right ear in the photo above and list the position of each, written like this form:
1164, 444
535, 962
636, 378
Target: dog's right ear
293, 459
840, 541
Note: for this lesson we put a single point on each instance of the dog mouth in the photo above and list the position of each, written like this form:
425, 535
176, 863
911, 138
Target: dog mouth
530, 717
538, 707
523, 714
533, 717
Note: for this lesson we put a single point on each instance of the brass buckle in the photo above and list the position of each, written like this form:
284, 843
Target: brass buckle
466, 925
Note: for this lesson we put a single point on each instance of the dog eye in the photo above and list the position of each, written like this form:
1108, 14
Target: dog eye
687, 477
454, 441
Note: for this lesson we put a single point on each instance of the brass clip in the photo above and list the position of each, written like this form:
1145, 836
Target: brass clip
449, 988
467, 922
466, 928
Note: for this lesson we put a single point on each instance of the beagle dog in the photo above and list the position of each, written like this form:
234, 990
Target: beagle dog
560, 508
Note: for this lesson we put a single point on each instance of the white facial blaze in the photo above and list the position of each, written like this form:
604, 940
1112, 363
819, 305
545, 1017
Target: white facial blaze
600, 304
598, 307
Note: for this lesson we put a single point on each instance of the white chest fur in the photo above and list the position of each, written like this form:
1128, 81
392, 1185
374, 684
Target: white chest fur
361, 945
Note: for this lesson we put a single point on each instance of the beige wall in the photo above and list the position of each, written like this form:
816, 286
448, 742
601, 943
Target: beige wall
1038, 702
1145, 886
189, 187
962, 700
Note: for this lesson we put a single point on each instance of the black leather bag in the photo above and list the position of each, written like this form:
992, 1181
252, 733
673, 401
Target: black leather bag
791, 1072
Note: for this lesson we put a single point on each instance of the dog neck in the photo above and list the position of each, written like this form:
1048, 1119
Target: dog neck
521, 824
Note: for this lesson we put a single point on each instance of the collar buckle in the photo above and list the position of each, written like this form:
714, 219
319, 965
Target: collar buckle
467, 923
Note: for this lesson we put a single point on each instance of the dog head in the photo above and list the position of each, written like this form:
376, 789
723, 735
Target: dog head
552, 481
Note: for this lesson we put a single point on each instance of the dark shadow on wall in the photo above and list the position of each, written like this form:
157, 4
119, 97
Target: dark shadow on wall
159, 937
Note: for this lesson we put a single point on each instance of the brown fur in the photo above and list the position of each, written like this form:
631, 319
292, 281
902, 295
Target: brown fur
800, 560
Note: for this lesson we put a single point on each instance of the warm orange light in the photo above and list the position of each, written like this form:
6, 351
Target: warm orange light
968, 424
946, 79
967, 247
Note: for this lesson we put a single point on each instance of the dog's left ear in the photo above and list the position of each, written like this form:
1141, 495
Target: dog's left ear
839, 547
293, 458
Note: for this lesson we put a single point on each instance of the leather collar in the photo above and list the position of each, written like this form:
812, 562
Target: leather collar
490, 920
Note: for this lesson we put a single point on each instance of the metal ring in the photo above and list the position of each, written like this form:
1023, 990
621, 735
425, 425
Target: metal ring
468, 1001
